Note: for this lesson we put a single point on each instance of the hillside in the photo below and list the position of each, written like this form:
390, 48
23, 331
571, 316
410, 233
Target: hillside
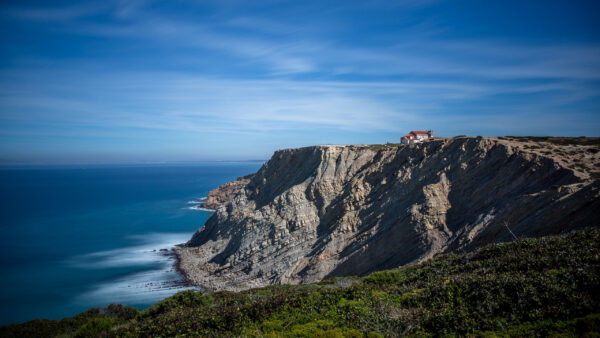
532, 287
324, 211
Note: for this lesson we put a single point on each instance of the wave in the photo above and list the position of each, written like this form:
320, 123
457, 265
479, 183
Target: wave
152, 249
197, 207
199, 200
158, 281
140, 288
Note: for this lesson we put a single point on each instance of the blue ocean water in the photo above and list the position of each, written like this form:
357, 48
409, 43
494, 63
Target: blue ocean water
75, 238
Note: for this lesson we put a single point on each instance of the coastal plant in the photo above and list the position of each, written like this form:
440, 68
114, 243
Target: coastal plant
530, 287
120, 311
95, 327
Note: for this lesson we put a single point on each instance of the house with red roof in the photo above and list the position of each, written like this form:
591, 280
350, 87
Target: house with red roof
416, 136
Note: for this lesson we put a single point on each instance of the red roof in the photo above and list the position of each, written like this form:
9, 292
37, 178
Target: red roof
419, 132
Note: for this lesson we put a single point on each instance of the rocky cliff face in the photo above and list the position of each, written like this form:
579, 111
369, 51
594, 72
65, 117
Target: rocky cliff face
225, 193
323, 211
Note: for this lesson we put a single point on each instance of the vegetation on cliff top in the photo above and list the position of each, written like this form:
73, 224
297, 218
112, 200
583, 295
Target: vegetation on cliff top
582, 140
531, 287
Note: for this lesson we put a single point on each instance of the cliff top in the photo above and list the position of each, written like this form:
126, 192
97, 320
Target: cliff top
580, 154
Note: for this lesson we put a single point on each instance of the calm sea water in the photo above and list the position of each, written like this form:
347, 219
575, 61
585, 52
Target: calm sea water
75, 238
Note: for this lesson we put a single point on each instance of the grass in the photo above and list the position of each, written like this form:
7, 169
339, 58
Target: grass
532, 287
582, 140
377, 147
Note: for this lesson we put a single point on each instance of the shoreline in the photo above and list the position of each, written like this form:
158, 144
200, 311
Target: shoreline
175, 251
194, 263
202, 207
200, 204
187, 282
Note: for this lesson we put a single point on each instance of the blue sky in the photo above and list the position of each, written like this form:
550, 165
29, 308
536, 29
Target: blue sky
150, 81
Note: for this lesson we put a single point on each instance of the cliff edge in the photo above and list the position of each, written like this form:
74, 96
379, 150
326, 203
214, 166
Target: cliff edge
224, 193
323, 211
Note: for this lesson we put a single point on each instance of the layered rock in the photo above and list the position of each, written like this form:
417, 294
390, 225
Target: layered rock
322, 211
224, 193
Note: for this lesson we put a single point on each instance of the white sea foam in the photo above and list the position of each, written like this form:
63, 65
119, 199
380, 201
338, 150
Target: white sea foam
147, 253
199, 200
145, 287
197, 207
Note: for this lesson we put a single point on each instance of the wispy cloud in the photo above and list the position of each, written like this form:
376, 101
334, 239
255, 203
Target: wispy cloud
321, 71
175, 101
67, 13
282, 48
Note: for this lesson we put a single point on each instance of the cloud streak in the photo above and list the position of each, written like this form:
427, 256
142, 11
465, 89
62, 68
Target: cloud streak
177, 101
267, 71
282, 48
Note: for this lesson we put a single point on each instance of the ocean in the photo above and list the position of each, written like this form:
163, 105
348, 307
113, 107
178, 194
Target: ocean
73, 238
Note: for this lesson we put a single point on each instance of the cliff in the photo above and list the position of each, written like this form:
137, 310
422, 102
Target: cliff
324, 211
224, 193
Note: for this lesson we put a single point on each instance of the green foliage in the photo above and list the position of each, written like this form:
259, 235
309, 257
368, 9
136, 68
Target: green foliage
385, 277
377, 147
188, 298
582, 140
49, 328
588, 325
94, 320
95, 327
120, 311
531, 287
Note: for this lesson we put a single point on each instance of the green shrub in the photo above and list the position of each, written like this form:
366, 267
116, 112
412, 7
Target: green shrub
187, 298
530, 287
120, 311
588, 325
95, 327
385, 277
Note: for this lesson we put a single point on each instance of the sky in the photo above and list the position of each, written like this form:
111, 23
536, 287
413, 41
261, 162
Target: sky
144, 81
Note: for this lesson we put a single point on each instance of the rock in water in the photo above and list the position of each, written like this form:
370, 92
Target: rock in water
323, 211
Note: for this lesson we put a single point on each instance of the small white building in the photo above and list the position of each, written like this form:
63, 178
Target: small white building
416, 136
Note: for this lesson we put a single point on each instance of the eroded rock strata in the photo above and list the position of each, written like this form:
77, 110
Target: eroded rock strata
224, 193
322, 211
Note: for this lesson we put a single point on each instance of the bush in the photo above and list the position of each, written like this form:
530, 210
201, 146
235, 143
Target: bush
530, 287
187, 298
95, 327
120, 311
588, 325
385, 277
